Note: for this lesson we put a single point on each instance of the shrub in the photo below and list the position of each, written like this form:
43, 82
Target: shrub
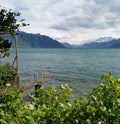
57, 106
102, 105
7, 72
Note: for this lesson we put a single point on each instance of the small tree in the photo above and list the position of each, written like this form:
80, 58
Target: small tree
8, 25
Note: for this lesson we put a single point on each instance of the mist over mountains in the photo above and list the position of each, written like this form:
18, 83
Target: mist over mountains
29, 40
103, 42
106, 42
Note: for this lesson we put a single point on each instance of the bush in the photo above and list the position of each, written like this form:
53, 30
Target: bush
102, 105
7, 72
57, 106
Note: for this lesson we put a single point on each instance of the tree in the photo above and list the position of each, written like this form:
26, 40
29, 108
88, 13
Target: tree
8, 25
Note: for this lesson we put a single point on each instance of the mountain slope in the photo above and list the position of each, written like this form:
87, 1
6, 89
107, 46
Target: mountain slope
29, 40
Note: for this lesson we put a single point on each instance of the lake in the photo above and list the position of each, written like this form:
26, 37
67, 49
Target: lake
80, 68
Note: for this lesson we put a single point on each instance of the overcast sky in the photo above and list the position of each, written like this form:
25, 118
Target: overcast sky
73, 21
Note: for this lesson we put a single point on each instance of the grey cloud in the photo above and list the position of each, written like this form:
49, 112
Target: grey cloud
80, 22
59, 27
96, 14
113, 6
74, 23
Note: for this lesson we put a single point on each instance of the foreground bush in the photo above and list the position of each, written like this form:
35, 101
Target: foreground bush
7, 72
56, 105
102, 105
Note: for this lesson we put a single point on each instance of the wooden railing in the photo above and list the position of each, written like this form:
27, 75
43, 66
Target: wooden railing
37, 83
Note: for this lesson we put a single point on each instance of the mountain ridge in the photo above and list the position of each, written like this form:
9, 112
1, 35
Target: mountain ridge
103, 42
30, 40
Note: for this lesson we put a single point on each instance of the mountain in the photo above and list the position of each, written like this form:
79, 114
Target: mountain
29, 40
104, 39
103, 42
67, 45
106, 42
116, 43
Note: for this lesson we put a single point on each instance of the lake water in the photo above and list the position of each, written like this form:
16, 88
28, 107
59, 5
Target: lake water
80, 68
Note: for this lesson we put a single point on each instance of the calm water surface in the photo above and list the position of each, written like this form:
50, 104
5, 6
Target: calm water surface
80, 68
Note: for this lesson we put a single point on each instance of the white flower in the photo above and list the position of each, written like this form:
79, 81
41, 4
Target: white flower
8, 84
76, 121
31, 107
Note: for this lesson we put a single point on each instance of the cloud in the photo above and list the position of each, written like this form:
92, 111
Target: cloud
73, 23
94, 15
66, 20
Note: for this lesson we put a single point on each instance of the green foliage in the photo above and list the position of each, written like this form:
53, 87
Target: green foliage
4, 47
7, 72
53, 104
102, 105
13, 109
8, 22
57, 106
8, 25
